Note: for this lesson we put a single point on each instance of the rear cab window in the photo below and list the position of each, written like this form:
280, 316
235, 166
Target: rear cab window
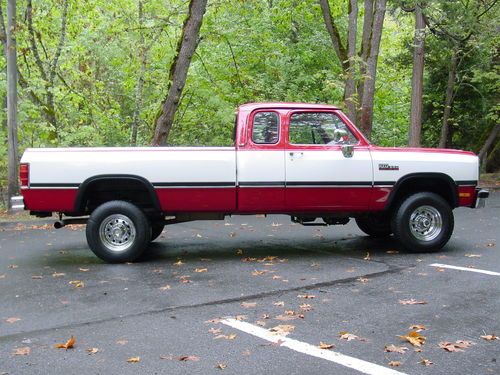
266, 128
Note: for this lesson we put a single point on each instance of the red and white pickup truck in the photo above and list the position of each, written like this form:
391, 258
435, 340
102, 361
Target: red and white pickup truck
304, 160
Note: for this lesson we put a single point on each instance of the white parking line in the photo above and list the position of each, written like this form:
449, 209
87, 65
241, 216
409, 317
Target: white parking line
305, 348
439, 265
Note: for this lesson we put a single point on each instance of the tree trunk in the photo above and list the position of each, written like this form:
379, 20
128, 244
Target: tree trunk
365, 44
333, 31
139, 88
489, 142
13, 186
371, 70
450, 88
350, 83
417, 79
178, 70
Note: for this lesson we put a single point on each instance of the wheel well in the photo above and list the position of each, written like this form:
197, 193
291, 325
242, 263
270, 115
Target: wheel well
100, 189
438, 183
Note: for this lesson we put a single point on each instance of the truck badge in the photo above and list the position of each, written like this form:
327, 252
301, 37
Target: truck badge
387, 167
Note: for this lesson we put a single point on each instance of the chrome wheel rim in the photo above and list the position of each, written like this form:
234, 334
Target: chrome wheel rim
426, 223
117, 232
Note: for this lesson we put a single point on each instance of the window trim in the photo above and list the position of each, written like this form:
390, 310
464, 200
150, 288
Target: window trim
318, 145
251, 127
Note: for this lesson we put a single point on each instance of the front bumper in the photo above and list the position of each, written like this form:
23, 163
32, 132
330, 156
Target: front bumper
481, 196
17, 203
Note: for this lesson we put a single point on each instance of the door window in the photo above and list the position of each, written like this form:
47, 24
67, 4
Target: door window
319, 128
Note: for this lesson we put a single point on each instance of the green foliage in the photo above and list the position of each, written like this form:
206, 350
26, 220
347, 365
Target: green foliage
252, 50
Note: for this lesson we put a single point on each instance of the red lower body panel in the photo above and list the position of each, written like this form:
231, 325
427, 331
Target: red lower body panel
242, 200
50, 200
197, 199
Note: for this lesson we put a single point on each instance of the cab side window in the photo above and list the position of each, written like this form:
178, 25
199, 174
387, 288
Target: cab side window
265, 128
319, 128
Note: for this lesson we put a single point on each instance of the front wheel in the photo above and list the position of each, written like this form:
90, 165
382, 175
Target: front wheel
423, 222
118, 231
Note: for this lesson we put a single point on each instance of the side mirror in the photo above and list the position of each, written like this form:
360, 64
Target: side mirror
340, 135
347, 151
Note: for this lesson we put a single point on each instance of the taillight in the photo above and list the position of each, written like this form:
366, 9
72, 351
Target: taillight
24, 174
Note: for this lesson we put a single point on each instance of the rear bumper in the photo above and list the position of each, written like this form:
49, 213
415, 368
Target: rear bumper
481, 196
17, 203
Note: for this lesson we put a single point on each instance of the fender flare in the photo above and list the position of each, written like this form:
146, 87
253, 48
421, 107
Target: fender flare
453, 189
82, 189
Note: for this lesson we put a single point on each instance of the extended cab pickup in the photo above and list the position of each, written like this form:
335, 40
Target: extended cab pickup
304, 160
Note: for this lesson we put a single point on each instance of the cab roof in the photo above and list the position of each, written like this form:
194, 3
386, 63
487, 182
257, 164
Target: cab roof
284, 105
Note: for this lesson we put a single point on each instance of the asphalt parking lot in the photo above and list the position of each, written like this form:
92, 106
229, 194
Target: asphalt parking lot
253, 295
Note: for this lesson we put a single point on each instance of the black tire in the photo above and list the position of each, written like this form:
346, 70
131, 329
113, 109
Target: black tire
118, 231
423, 222
156, 229
375, 225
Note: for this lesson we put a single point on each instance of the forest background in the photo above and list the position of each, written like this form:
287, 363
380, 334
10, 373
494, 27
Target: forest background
101, 73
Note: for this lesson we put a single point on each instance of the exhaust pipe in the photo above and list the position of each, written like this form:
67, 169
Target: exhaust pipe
62, 223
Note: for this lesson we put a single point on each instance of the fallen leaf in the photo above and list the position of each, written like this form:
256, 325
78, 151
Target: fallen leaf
68, 345
426, 362
13, 319
347, 336
418, 327
214, 320
221, 366
58, 274
362, 280
36, 277
411, 302
200, 270
306, 296
240, 317
394, 363
77, 283
248, 259
323, 345
25, 350
279, 303
92, 350
282, 329
215, 331
489, 337
84, 269
305, 307
179, 263
414, 338
247, 305
473, 255
456, 346
276, 277
392, 252
367, 257
395, 349
185, 358
231, 336
134, 359
166, 287
239, 252
258, 273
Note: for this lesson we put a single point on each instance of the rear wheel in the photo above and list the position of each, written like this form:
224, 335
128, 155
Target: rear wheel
375, 225
423, 222
118, 231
